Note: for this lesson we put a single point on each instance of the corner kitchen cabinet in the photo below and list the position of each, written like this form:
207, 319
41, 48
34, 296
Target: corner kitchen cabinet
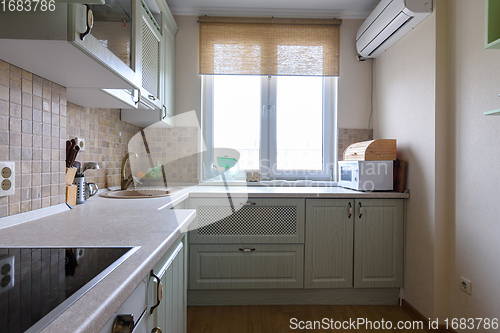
170, 316
259, 246
118, 63
364, 236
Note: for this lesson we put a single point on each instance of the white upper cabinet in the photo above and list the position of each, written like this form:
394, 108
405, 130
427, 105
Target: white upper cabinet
164, 106
107, 56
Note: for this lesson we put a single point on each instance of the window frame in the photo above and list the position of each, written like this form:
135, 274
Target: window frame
268, 128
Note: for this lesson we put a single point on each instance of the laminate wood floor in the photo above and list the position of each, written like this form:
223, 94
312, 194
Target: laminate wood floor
277, 318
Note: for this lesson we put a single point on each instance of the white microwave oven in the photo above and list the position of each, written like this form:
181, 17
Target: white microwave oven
366, 175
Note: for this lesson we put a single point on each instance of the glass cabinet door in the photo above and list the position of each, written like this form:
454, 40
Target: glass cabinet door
113, 28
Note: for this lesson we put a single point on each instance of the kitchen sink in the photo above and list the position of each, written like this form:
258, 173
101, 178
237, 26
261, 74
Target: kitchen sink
137, 194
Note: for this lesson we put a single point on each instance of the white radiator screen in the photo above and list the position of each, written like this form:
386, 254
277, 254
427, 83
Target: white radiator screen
252, 221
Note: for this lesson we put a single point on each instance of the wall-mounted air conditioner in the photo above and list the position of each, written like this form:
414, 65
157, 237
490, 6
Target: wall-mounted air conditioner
389, 22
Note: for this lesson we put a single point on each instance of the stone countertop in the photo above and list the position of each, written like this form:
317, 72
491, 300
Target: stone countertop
290, 192
147, 223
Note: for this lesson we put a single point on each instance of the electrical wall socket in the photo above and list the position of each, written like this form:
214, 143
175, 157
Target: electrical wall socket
80, 143
6, 273
7, 178
465, 285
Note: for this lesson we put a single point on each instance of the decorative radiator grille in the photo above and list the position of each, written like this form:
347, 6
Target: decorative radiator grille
248, 221
150, 60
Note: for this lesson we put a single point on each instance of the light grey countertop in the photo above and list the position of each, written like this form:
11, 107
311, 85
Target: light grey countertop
290, 192
105, 222
147, 223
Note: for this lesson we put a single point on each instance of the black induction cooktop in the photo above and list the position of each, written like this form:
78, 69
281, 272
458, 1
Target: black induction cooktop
38, 284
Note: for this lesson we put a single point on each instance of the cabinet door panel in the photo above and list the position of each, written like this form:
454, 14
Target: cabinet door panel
329, 243
169, 316
379, 243
262, 266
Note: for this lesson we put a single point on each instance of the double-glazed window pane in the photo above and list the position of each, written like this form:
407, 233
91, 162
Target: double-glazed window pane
237, 117
299, 123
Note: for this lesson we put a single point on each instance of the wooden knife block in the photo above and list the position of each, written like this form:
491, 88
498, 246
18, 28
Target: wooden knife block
71, 194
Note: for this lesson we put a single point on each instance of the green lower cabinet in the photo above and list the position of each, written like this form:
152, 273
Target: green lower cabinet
329, 243
354, 243
246, 266
378, 243
170, 315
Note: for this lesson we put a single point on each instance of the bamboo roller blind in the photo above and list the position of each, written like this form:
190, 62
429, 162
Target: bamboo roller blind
269, 46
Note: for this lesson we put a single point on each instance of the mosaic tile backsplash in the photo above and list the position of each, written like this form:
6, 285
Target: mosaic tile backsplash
33, 119
174, 148
106, 139
35, 122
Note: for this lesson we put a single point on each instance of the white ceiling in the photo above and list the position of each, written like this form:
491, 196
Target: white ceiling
288, 8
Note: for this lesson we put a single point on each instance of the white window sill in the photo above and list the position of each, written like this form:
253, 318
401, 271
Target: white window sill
271, 183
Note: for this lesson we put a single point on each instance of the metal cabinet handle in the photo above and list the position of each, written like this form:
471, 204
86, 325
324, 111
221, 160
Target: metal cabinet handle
152, 97
350, 211
123, 324
164, 115
139, 97
159, 292
360, 210
247, 250
90, 22
248, 204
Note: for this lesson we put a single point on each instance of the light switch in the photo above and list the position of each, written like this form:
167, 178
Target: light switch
7, 178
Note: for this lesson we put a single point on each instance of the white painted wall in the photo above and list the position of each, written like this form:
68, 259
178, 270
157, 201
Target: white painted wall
187, 80
432, 88
354, 82
405, 110
475, 234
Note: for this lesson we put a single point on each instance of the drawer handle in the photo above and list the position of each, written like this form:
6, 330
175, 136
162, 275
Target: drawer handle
360, 210
123, 324
350, 211
248, 204
247, 250
159, 292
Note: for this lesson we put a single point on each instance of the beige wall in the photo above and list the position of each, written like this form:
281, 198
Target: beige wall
354, 82
475, 85
187, 80
432, 88
405, 110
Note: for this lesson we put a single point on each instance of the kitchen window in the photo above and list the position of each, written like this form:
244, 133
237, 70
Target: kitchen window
269, 91
282, 126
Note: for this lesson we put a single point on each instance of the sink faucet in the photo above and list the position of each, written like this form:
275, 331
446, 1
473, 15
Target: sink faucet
125, 182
